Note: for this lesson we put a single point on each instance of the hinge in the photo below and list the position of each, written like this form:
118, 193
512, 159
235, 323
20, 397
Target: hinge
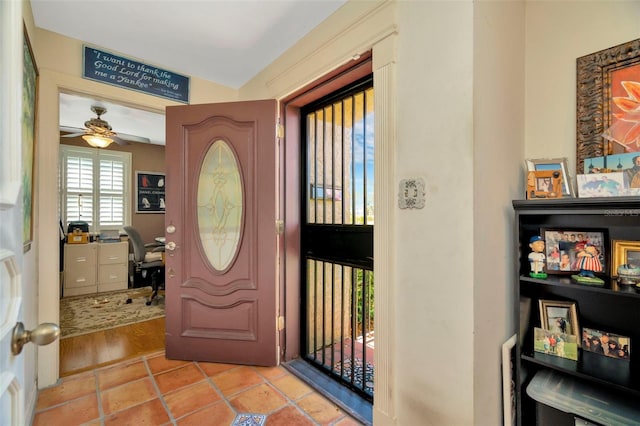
279, 131
279, 227
280, 323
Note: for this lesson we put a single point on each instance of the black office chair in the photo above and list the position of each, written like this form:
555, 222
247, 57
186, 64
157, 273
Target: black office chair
147, 260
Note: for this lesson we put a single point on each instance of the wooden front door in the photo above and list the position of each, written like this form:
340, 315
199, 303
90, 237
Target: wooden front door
220, 220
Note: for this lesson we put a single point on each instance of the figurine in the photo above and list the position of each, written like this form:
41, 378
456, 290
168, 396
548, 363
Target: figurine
588, 261
537, 257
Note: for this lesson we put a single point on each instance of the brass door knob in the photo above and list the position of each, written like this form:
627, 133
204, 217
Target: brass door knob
43, 334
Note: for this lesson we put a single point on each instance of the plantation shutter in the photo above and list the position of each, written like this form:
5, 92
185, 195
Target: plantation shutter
95, 187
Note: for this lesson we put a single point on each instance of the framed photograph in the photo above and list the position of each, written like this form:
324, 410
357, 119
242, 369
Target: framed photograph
602, 185
29, 109
624, 252
604, 343
509, 381
563, 247
605, 85
559, 317
544, 184
150, 192
560, 164
556, 344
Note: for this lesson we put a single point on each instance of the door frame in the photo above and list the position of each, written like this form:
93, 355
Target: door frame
290, 202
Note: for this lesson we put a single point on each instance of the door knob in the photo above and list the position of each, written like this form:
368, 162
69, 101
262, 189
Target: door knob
43, 334
170, 246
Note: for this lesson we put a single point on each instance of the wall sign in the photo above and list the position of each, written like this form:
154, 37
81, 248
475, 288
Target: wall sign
116, 70
150, 192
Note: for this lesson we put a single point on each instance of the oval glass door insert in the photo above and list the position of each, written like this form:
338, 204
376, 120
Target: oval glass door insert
220, 205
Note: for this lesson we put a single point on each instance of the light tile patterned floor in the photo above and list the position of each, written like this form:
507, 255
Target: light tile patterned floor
152, 390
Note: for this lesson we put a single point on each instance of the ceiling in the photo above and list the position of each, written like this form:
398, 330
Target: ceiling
224, 41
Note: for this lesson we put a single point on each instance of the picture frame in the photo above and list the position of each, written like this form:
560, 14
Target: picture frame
29, 115
509, 400
624, 252
606, 344
602, 185
557, 344
545, 164
544, 184
597, 82
562, 247
150, 192
559, 317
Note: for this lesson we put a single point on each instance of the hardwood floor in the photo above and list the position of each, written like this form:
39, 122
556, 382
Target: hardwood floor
89, 351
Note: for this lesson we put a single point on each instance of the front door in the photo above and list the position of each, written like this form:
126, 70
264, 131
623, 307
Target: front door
220, 220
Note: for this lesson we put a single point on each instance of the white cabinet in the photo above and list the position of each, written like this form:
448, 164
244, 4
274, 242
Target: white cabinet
95, 267
80, 263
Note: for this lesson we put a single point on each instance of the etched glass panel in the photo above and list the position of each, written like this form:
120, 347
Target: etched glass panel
220, 197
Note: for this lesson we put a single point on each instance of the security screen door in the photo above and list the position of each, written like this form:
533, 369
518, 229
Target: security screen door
337, 236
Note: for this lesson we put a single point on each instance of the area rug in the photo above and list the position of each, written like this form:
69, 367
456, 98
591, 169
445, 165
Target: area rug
90, 313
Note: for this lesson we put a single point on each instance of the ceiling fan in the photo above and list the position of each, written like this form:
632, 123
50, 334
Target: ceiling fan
98, 132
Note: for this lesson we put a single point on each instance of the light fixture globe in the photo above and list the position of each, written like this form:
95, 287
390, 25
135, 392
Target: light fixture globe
97, 141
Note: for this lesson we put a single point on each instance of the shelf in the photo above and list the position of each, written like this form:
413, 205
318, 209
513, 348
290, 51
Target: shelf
611, 372
610, 287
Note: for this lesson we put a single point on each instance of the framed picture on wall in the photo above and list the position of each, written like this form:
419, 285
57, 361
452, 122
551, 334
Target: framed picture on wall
150, 192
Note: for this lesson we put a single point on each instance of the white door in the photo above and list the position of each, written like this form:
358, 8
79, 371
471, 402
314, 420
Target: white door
11, 367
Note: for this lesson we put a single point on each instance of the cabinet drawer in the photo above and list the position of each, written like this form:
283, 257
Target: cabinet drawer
112, 273
113, 253
80, 277
80, 256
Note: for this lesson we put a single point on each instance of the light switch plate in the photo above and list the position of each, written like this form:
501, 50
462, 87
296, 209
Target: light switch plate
412, 194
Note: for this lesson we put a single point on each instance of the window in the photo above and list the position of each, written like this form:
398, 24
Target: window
95, 187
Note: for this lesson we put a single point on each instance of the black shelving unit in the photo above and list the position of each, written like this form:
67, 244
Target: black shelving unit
613, 307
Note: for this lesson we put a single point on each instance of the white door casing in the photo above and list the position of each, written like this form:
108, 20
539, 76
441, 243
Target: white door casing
11, 367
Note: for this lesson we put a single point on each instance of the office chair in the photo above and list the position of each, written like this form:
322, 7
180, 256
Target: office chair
147, 259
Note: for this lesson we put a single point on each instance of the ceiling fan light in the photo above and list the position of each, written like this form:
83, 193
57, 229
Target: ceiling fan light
97, 141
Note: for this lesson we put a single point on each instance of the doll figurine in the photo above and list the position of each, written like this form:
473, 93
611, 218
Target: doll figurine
588, 261
537, 257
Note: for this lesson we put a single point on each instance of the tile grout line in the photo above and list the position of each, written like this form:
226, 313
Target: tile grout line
160, 394
101, 415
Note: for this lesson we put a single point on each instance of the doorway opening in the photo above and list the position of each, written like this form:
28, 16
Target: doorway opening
337, 280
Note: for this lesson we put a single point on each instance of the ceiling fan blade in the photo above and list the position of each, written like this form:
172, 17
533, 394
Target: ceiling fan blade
119, 140
133, 138
72, 131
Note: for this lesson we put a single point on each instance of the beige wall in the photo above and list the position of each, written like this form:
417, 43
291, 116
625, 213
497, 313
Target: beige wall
478, 87
558, 32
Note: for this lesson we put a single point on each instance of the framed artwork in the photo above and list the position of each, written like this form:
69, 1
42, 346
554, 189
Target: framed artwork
560, 164
562, 248
544, 184
29, 110
622, 253
150, 192
604, 343
607, 91
602, 185
509, 400
559, 317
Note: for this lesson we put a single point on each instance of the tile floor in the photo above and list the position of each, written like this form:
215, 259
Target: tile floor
152, 390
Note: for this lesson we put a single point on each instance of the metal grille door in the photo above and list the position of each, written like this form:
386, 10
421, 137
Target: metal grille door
337, 236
